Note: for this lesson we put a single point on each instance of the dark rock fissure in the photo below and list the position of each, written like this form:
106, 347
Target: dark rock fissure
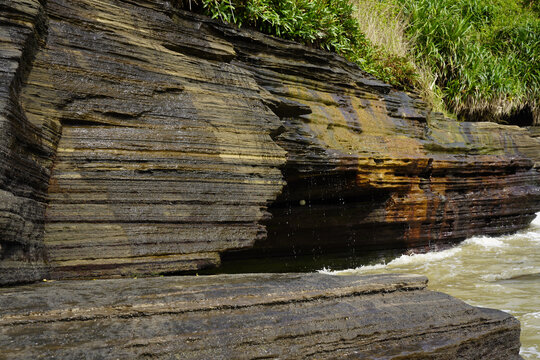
522, 117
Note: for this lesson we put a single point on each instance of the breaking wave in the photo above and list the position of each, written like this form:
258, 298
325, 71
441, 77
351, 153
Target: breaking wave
501, 272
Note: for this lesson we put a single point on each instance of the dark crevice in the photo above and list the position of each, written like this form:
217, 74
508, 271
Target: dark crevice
199, 51
428, 171
16, 251
169, 90
81, 97
521, 117
285, 108
319, 221
122, 115
97, 122
274, 133
80, 122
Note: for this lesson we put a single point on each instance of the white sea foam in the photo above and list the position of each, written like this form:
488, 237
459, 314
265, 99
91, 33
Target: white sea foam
535, 315
533, 234
424, 258
485, 241
326, 271
531, 352
532, 320
512, 273
502, 276
352, 271
403, 260
536, 221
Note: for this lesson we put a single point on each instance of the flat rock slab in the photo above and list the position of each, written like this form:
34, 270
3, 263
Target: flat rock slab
293, 316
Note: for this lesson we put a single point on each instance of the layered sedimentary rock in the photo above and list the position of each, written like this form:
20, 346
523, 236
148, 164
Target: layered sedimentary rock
159, 140
165, 157
310, 316
26, 152
371, 167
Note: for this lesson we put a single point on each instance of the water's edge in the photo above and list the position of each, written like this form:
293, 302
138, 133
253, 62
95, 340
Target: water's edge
497, 272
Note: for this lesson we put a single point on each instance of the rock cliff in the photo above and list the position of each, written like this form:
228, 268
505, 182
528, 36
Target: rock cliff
26, 151
138, 138
288, 316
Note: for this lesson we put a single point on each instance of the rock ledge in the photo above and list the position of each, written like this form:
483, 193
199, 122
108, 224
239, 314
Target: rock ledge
293, 316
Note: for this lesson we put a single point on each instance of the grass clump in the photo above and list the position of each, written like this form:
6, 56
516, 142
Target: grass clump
485, 54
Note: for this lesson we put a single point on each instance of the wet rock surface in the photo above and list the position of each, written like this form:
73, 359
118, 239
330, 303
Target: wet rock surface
138, 138
290, 316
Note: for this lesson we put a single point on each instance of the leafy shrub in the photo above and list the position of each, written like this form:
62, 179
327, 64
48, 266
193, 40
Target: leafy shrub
327, 24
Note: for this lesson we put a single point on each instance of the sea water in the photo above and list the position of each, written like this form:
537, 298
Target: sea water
497, 272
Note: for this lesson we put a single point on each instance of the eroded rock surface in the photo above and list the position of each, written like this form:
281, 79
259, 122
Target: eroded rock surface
26, 152
165, 159
158, 140
371, 167
309, 316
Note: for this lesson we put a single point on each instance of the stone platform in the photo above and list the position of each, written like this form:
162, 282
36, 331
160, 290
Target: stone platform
268, 316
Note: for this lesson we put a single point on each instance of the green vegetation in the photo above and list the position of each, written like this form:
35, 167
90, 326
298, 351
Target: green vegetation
385, 25
484, 54
479, 59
